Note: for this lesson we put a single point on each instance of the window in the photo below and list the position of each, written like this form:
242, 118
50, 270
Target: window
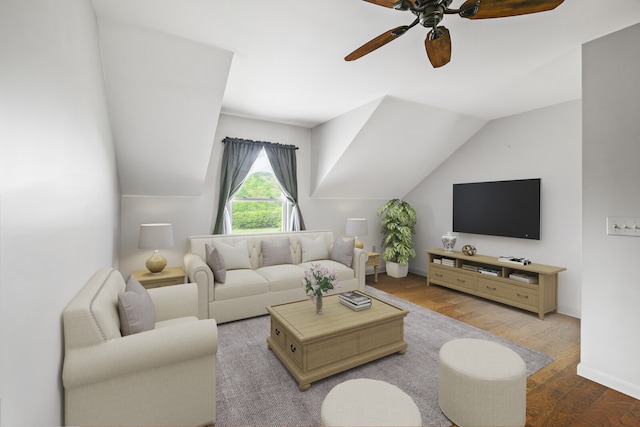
259, 206
238, 160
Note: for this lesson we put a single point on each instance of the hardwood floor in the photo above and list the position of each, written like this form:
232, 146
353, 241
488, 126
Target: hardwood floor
556, 395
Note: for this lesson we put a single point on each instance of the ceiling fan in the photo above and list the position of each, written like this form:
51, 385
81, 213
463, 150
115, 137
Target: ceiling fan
429, 13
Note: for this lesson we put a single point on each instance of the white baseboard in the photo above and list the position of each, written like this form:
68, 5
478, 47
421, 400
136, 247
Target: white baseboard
607, 380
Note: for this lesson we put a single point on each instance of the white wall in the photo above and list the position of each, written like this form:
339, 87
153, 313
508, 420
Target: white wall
545, 144
610, 348
195, 215
58, 193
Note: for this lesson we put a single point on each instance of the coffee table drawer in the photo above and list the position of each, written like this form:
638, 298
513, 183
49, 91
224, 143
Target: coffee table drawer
293, 349
277, 332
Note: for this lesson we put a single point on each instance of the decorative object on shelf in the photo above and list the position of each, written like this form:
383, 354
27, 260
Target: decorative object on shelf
318, 281
449, 241
357, 227
469, 250
397, 225
156, 237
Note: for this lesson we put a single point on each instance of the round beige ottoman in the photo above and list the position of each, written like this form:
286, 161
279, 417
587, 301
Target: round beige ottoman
365, 402
482, 383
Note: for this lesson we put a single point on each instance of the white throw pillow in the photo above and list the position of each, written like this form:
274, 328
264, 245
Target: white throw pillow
235, 256
313, 249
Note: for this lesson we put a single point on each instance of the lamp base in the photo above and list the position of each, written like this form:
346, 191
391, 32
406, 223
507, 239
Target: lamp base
156, 262
359, 244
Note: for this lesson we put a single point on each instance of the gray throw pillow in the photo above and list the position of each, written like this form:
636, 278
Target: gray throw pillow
215, 261
343, 250
135, 309
276, 253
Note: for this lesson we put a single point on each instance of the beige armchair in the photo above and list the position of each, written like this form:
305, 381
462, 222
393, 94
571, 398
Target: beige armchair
165, 376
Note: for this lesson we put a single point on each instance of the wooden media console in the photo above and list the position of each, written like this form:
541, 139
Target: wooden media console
489, 278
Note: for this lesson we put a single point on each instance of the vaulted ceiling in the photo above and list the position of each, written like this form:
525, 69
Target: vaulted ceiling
283, 62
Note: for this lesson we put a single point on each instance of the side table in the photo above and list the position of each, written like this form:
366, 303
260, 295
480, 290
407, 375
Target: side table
168, 276
374, 261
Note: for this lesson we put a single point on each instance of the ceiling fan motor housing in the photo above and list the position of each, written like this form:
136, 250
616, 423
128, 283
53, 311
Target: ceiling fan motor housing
430, 12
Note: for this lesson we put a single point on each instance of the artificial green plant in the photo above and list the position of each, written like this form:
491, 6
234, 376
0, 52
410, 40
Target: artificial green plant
397, 225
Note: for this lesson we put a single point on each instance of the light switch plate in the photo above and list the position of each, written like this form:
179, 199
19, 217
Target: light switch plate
623, 226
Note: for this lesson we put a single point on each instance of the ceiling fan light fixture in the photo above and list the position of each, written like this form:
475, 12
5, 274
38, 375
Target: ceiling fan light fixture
431, 16
429, 13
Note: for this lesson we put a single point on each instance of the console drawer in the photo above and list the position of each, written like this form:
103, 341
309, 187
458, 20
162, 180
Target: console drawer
451, 278
519, 296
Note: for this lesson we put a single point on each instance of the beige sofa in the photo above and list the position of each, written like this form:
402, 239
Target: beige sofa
250, 286
165, 376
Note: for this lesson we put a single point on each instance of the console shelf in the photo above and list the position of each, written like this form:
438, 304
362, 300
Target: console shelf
534, 288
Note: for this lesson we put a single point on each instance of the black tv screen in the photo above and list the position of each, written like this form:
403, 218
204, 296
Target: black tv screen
498, 208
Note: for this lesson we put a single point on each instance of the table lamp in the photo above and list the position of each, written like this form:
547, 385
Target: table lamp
357, 227
156, 237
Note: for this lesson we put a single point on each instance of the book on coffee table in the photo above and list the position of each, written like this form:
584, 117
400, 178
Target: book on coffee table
354, 306
355, 300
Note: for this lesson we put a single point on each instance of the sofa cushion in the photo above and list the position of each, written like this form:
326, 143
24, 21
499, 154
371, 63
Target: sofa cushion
276, 253
342, 250
313, 249
282, 277
135, 309
241, 283
215, 261
235, 256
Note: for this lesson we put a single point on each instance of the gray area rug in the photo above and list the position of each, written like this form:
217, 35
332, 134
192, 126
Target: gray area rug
255, 389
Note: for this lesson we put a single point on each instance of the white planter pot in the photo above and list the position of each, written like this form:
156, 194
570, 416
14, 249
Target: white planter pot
397, 270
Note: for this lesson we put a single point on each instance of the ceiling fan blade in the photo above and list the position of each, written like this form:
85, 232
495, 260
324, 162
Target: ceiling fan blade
379, 41
504, 8
438, 46
394, 4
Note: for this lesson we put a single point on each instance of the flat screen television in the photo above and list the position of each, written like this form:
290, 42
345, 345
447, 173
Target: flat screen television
498, 208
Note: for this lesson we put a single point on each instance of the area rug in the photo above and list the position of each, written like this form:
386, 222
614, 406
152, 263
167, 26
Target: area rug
255, 389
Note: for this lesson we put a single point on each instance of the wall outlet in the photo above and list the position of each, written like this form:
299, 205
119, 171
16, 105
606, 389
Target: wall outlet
623, 226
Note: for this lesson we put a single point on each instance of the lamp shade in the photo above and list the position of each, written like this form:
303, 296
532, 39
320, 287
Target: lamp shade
357, 227
155, 236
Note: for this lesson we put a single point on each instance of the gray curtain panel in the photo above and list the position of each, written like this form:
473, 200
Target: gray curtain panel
284, 165
237, 159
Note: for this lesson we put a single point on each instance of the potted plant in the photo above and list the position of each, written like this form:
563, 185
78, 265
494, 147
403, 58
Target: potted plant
397, 225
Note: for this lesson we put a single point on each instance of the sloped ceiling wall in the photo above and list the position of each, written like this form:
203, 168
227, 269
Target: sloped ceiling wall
397, 144
165, 94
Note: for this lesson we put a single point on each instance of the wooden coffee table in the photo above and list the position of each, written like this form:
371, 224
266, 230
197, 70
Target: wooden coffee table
314, 346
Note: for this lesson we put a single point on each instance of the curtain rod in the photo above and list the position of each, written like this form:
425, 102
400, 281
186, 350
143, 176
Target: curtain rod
241, 140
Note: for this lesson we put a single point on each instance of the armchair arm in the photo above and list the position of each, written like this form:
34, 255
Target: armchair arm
199, 272
175, 301
144, 351
360, 258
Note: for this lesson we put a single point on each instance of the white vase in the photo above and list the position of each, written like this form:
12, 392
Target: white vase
449, 241
397, 270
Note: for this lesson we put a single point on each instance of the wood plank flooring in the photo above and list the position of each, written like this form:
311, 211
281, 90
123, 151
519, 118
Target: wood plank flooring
556, 395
